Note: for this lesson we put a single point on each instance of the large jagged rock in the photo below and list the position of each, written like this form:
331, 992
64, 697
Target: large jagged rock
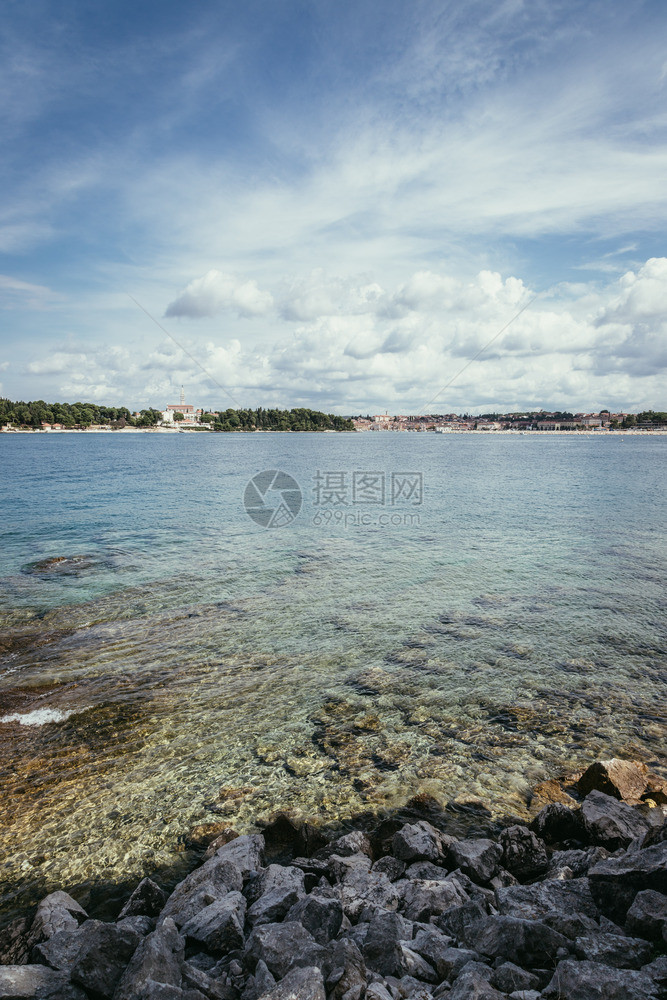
508, 978
616, 950
157, 959
462, 922
524, 854
382, 943
283, 947
430, 943
579, 862
450, 961
36, 982
362, 893
320, 916
212, 989
351, 843
246, 853
473, 986
418, 842
299, 984
104, 952
56, 912
647, 917
532, 902
273, 892
622, 779
574, 980
146, 901
479, 859
558, 823
420, 899
219, 926
203, 886
392, 868
345, 972
611, 823
616, 881
528, 943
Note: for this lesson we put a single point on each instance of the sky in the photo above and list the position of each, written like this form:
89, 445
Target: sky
351, 205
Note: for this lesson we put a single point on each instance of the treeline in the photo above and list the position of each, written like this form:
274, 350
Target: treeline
654, 417
75, 415
37, 412
300, 419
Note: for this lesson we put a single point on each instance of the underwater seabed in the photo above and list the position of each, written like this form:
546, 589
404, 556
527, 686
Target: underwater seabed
130, 718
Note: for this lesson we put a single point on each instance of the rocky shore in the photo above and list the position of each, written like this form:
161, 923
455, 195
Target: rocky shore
573, 906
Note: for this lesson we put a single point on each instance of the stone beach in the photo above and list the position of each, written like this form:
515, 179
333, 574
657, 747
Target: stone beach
571, 906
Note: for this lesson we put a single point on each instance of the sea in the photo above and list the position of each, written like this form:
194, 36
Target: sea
217, 628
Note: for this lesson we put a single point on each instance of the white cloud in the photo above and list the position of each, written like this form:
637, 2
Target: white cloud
216, 292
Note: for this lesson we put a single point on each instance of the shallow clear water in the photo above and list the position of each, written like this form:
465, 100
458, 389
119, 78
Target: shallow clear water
191, 666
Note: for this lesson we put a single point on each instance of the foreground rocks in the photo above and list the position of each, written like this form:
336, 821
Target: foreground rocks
572, 908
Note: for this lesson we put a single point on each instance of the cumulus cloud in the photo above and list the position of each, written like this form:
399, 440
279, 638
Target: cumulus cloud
216, 292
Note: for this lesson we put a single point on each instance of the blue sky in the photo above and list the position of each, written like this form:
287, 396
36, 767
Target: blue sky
335, 204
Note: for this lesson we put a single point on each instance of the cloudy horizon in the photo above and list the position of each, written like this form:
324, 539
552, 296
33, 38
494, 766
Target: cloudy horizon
336, 206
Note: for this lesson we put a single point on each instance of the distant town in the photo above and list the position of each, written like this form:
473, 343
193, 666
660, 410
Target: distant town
180, 417
528, 420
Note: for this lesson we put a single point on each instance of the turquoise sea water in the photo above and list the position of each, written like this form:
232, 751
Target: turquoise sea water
183, 664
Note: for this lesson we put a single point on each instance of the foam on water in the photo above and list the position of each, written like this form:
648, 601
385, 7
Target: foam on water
40, 716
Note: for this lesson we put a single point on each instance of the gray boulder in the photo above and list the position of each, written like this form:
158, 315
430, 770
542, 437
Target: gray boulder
647, 917
657, 971
508, 978
616, 881
524, 854
280, 888
610, 822
246, 853
532, 902
283, 947
472, 986
613, 949
382, 943
146, 900
261, 983
36, 982
345, 971
450, 961
420, 900
103, 954
299, 984
141, 924
426, 870
364, 892
351, 843
59, 951
219, 926
557, 823
207, 986
212, 881
462, 922
479, 859
579, 862
528, 943
418, 842
56, 912
157, 960
391, 867
574, 980
431, 944
320, 916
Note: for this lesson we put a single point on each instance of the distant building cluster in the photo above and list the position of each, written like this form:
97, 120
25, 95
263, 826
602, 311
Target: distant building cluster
534, 421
